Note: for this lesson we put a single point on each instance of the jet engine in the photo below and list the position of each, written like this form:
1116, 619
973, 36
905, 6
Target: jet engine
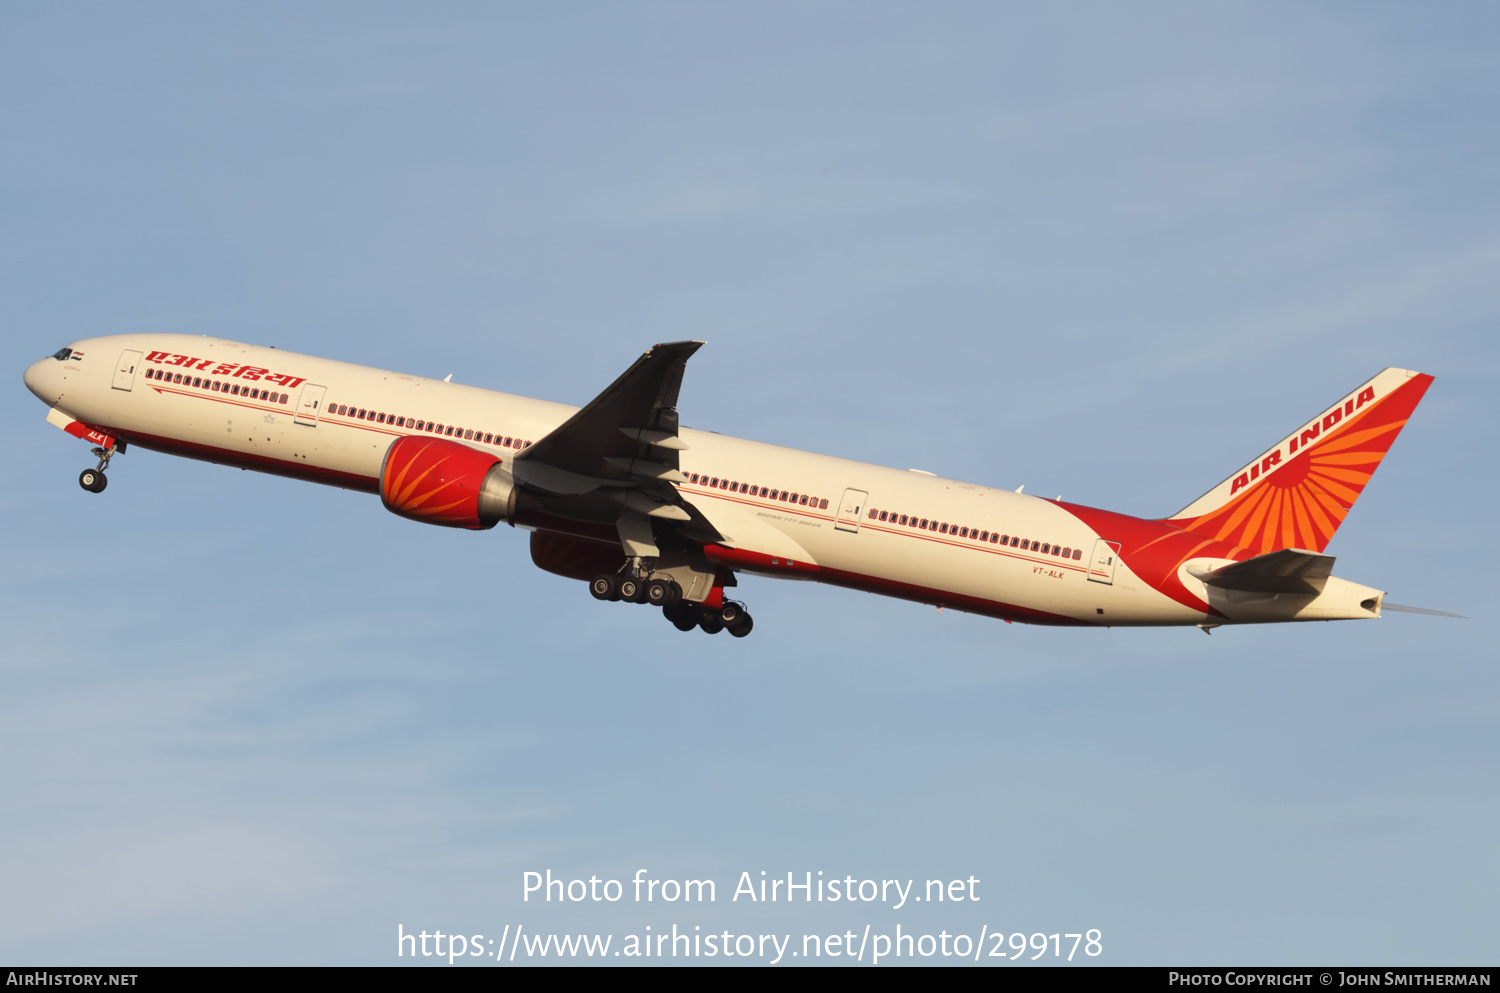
437, 481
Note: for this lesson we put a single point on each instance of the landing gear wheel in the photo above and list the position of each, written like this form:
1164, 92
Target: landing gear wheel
630, 590
743, 627
605, 587
92, 480
683, 617
710, 622
661, 592
731, 613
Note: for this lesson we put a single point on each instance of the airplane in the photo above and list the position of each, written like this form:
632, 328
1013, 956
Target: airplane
618, 494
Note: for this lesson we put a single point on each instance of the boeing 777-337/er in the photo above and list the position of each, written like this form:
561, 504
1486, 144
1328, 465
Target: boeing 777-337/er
617, 494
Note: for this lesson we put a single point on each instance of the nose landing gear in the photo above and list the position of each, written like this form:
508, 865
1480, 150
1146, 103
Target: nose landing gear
94, 479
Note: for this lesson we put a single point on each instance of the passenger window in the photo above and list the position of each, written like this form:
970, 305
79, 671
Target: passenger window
822, 504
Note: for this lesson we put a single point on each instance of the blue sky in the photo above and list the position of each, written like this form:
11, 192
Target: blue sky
1106, 252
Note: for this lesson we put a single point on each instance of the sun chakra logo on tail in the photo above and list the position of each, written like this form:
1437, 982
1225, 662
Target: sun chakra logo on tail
1297, 494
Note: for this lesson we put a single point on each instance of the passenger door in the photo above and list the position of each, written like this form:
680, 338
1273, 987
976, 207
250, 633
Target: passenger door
125, 370
850, 509
1102, 563
308, 404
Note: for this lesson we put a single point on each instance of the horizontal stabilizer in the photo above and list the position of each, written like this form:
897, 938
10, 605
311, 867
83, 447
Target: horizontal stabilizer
1291, 570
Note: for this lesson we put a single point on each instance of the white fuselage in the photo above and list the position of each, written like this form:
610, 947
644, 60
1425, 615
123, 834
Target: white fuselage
789, 513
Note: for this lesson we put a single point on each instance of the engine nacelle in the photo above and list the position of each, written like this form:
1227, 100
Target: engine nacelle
437, 481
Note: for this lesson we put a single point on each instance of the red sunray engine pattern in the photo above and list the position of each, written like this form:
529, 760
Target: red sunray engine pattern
1303, 502
435, 481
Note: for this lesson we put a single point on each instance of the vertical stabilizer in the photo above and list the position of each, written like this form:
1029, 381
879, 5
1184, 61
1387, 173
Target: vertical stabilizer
1296, 494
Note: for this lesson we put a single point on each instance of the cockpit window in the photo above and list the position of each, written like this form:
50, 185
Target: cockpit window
62, 354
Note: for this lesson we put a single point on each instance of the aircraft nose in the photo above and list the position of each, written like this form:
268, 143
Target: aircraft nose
44, 378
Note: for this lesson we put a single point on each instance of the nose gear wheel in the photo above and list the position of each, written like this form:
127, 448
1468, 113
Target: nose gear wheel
94, 479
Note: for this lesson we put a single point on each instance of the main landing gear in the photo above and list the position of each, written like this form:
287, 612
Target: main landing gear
657, 592
666, 594
94, 479
731, 617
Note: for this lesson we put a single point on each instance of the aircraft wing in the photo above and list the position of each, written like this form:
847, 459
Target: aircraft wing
623, 444
1290, 570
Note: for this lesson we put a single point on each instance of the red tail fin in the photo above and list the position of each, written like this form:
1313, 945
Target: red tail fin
1296, 494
